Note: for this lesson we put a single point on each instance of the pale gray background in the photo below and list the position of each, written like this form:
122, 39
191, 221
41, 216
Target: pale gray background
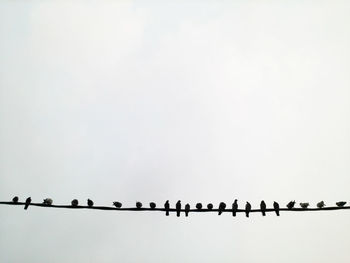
200, 101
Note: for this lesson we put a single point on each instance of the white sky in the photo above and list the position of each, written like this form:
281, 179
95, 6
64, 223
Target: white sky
151, 100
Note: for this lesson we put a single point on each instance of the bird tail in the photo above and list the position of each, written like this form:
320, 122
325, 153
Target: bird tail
26, 206
247, 214
167, 212
278, 213
233, 213
186, 213
178, 213
220, 212
263, 213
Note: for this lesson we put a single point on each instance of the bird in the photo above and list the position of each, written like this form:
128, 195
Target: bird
263, 207
199, 206
28, 201
117, 204
234, 207
222, 207
187, 209
47, 201
320, 204
291, 204
304, 205
276, 206
75, 202
152, 205
167, 207
210, 206
178, 208
248, 207
90, 203
15, 199
138, 205
340, 204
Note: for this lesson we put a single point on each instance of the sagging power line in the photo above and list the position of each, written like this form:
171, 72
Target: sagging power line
178, 209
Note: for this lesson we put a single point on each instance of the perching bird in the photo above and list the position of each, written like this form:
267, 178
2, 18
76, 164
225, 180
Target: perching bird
187, 209
320, 204
304, 205
291, 204
152, 205
47, 201
340, 204
75, 202
234, 207
222, 207
90, 203
15, 199
210, 206
178, 208
199, 206
28, 201
263, 208
276, 206
167, 207
138, 205
117, 204
248, 207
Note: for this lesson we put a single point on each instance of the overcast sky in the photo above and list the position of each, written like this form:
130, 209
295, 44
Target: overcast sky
151, 100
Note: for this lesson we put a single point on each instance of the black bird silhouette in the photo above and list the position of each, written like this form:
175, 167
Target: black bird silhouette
291, 204
138, 205
341, 203
28, 201
222, 207
90, 203
263, 207
178, 208
199, 206
15, 199
248, 207
117, 204
75, 202
276, 206
304, 205
234, 207
320, 204
210, 206
187, 209
47, 201
152, 205
167, 207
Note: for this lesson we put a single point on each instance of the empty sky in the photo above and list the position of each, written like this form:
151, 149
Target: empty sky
154, 100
